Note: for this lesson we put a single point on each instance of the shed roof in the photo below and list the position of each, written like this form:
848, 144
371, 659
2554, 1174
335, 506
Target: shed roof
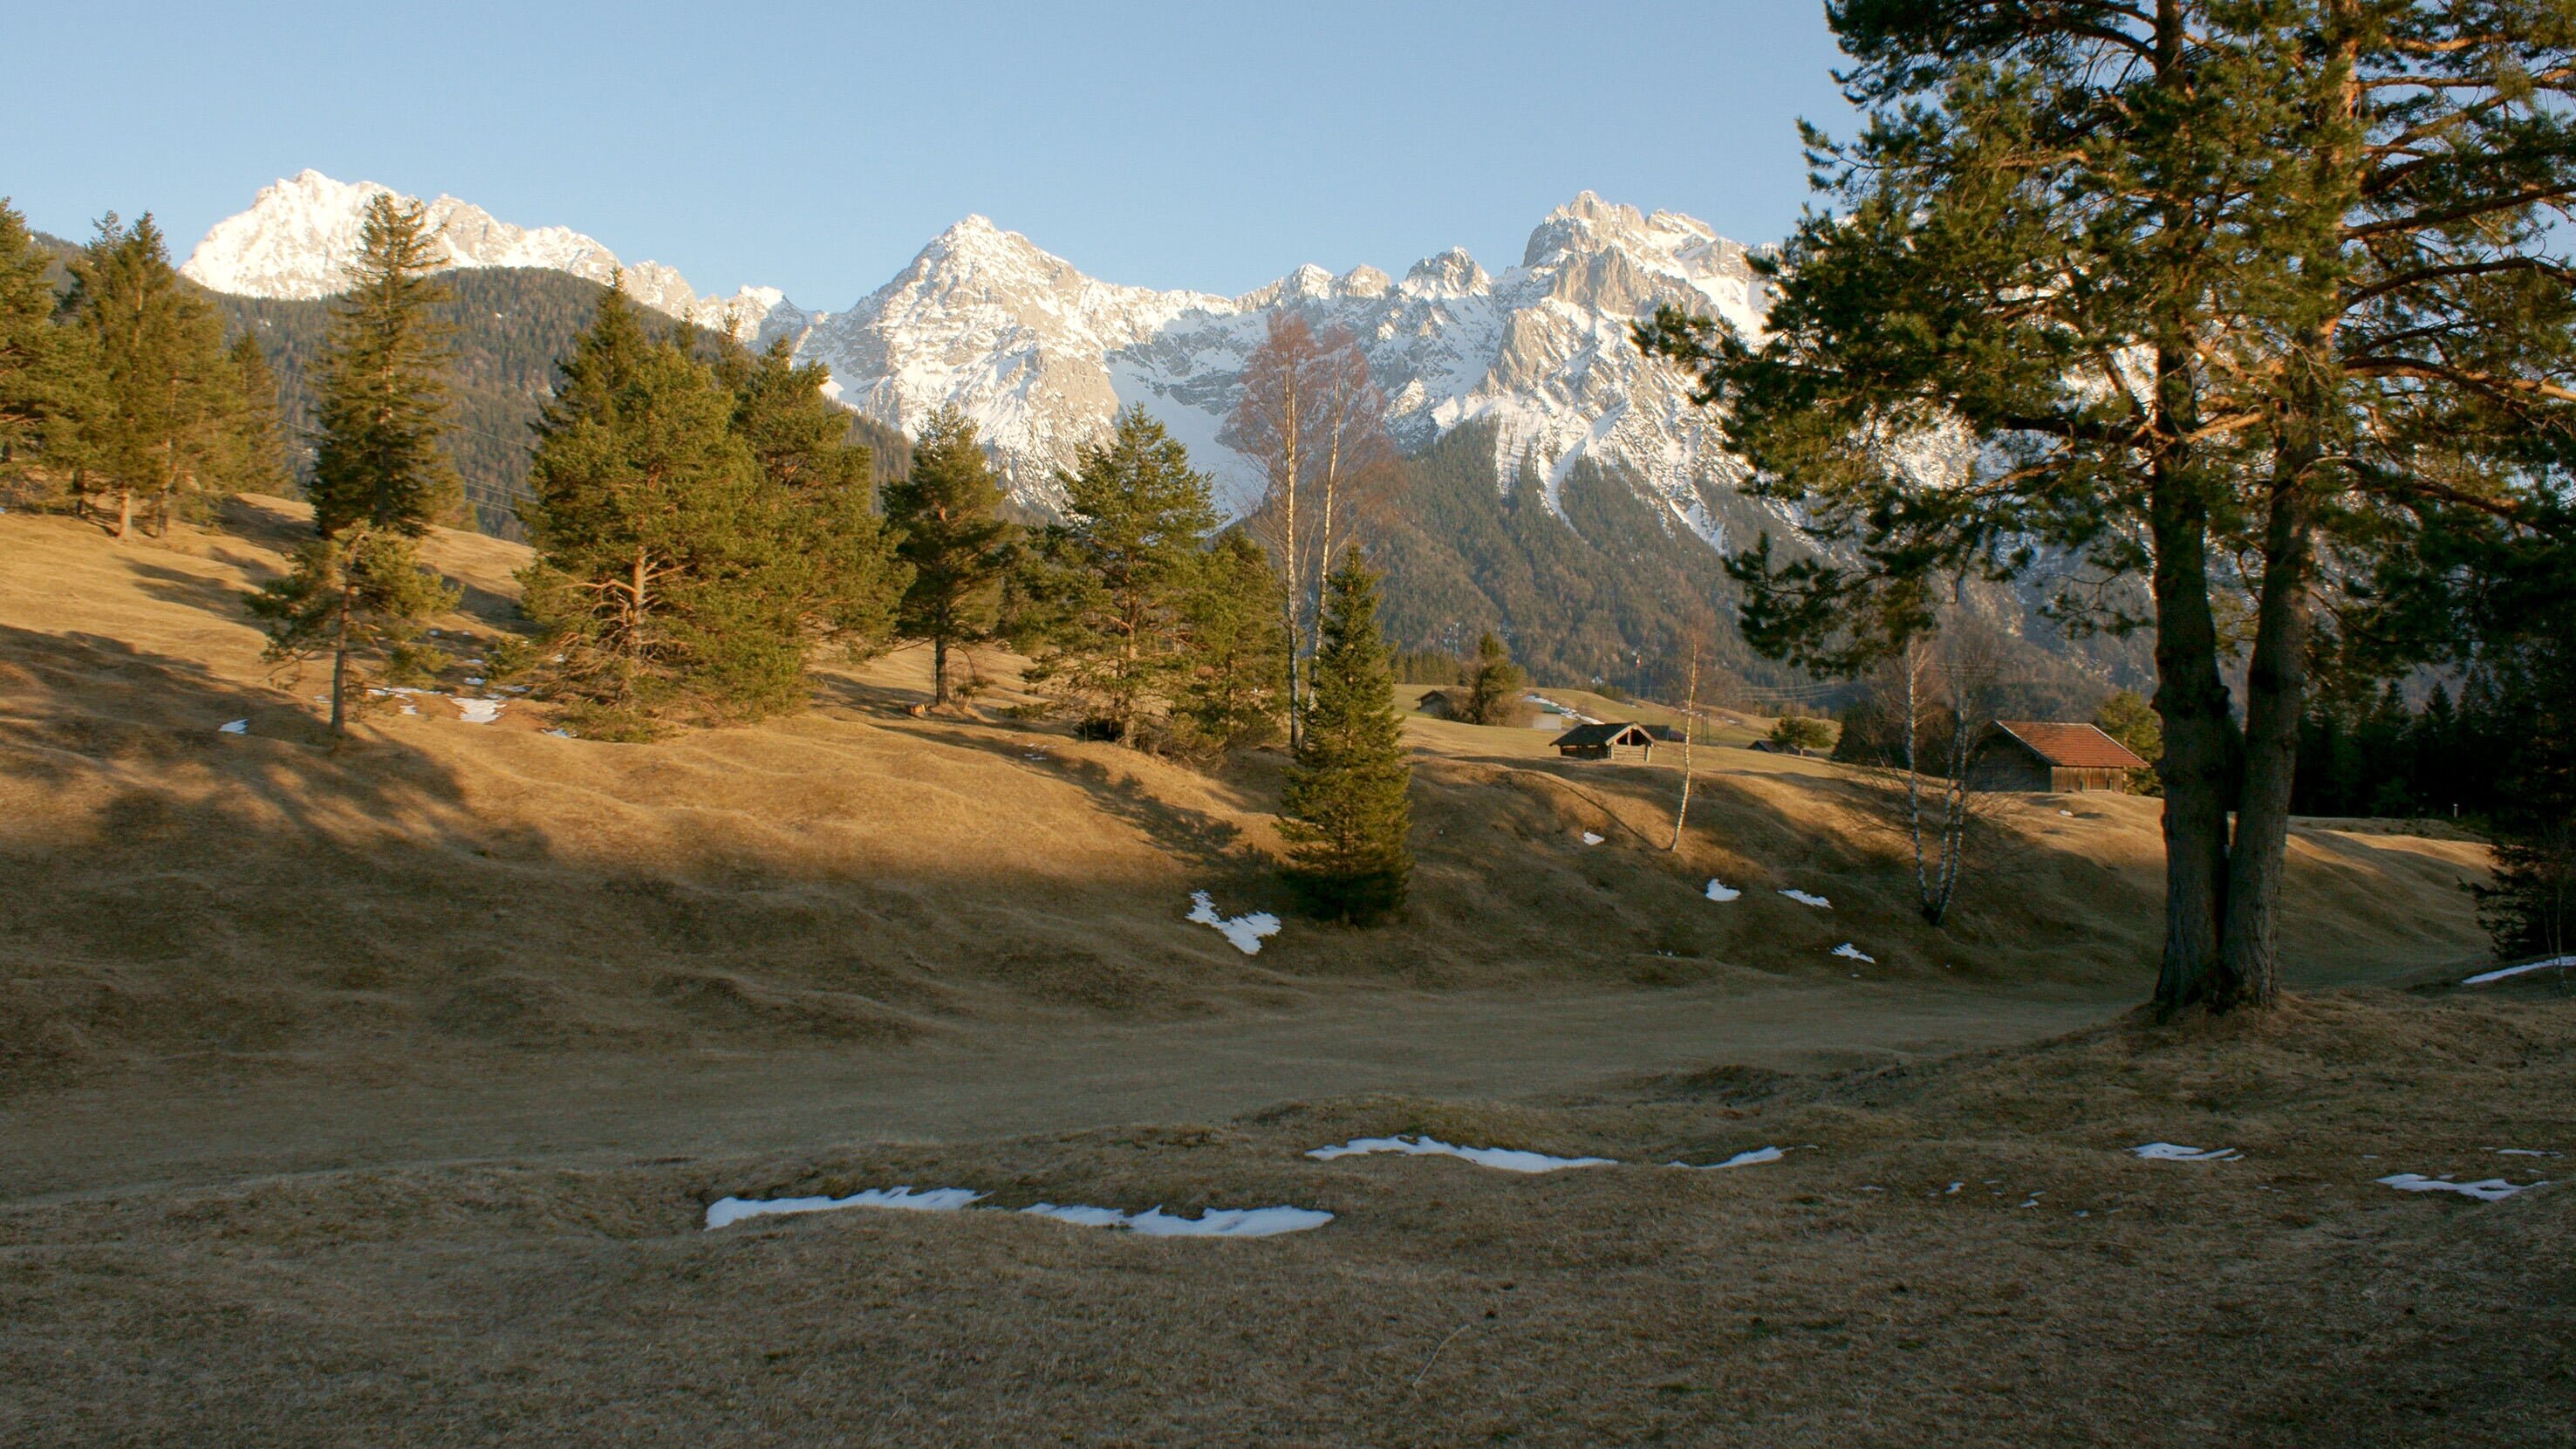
1606, 733
2071, 746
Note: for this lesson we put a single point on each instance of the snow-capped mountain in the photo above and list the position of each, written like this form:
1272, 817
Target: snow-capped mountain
1042, 356
300, 234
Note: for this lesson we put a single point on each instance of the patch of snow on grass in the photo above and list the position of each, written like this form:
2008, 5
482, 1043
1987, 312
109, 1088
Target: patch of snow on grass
2494, 1189
1753, 1157
1246, 932
2484, 977
1850, 952
1804, 899
1213, 1223
1591, 839
236, 727
2174, 1152
936, 1200
1506, 1159
1721, 892
559, 732
1153, 1222
478, 711
2523, 1152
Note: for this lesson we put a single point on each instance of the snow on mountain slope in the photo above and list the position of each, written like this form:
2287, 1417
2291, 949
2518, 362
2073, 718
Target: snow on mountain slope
300, 234
1042, 356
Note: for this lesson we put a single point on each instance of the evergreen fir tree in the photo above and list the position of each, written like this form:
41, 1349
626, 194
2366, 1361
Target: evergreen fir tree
823, 487
158, 382
30, 398
1494, 684
946, 513
666, 572
382, 384
1347, 809
1238, 678
1120, 570
2197, 285
255, 436
358, 597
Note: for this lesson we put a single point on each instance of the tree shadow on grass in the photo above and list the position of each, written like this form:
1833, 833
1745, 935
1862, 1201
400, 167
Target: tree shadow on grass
1192, 835
79, 703
195, 591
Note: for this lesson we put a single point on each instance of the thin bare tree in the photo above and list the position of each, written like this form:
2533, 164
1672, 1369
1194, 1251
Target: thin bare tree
1690, 731
1315, 422
1934, 706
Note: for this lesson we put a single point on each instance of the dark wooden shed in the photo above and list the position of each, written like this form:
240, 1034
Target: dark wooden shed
1623, 740
2040, 756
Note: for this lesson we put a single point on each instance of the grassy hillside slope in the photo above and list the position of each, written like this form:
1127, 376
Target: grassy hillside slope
855, 874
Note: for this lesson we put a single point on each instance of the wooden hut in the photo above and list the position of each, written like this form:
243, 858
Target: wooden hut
1623, 740
2039, 756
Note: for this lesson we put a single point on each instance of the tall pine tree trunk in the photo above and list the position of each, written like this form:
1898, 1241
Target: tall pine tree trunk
2275, 689
2199, 762
939, 668
2276, 677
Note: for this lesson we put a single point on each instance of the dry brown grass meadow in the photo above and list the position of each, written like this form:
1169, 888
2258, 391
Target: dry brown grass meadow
375, 1096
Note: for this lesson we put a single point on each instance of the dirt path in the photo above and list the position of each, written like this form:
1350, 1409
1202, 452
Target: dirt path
1028, 1078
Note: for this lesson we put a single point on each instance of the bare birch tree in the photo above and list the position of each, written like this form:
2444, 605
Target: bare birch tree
1315, 422
1934, 706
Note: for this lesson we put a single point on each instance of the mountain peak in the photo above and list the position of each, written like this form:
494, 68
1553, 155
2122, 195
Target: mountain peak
302, 231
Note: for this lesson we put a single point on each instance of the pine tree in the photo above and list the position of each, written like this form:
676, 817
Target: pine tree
1494, 684
667, 574
2199, 282
824, 488
946, 512
254, 435
360, 597
381, 394
1238, 679
1120, 569
1347, 811
152, 423
30, 400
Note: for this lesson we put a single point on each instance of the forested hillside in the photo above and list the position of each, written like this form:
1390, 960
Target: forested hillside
1615, 592
512, 325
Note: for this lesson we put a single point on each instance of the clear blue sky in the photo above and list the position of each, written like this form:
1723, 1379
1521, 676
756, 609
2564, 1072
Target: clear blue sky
816, 147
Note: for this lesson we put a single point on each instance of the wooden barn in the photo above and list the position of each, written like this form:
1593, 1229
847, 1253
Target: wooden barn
2038, 756
1621, 740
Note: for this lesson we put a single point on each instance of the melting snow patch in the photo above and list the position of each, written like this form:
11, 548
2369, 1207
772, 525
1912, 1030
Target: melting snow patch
1850, 952
1246, 932
237, 727
1721, 892
559, 732
2522, 1152
1153, 1222
2174, 1152
1591, 839
937, 1200
1505, 1158
478, 711
2494, 1189
2484, 977
1742, 1159
1804, 899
